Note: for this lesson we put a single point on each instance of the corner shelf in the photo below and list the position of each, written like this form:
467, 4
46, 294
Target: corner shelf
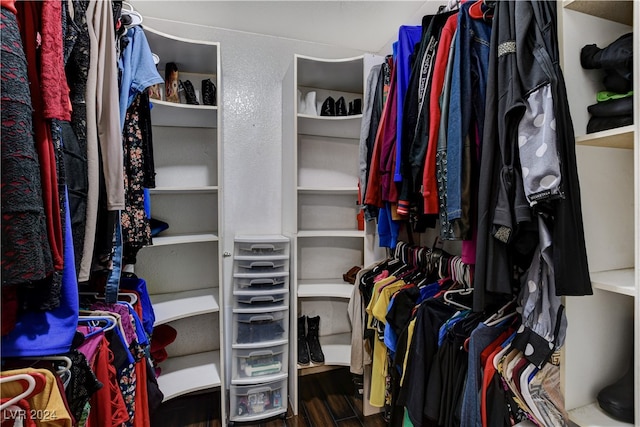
336, 288
621, 137
592, 416
331, 233
346, 127
619, 281
328, 190
617, 11
183, 115
336, 349
182, 190
184, 238
186, 374
178, 305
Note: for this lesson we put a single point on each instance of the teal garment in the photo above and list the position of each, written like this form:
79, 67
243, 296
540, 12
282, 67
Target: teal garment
606, 95
407, 422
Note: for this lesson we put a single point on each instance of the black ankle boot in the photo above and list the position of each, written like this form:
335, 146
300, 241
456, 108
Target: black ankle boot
190, 93
617, 399
357, 106
328, 107
315, 351
303, 347
341, 107
208, 92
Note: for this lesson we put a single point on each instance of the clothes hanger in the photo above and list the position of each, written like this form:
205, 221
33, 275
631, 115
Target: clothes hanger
35, 384
500, 315
67, 361
109, 323
133, 298
134, 17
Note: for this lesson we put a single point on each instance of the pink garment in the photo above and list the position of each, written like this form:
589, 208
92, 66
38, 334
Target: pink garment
90, 345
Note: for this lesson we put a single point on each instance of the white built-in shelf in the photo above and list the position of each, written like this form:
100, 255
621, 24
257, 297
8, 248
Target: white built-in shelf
178, 305
260, 379
344, 75
328, 190
192, 56
330, 126
612, 10
619, 281
331, 233
181, 190
184, 238
621, 137
186, 374
336, 349
166, 113
592, 416
336, 288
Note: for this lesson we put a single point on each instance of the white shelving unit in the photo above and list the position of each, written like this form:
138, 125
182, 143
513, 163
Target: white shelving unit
604, 329
183, 265
320, 204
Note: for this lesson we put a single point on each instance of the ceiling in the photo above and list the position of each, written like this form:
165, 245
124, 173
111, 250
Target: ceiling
364, 25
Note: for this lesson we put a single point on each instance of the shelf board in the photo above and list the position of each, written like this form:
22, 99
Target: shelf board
330, 233
592, 416
186, 374
172, 190
335, 288
336, 349
333, 126
344, 74
619, 281
612, 10
621, 137
184, 238
164, 113
178, 305
328, 190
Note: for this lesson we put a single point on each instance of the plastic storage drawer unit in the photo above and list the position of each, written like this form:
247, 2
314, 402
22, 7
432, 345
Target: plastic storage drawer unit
261, 300
267, 281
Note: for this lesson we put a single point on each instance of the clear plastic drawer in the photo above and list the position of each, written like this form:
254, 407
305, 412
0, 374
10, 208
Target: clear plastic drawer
256, 402
261, 265
260, 327
261, 300
255, 247
266, 282
255, 364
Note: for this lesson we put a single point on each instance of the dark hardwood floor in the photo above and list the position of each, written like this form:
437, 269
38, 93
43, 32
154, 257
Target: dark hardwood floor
326, 399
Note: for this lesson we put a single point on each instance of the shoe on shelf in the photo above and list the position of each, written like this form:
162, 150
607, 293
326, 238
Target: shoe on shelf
303, 347
208, 92
302, 106
341, 107
357, 106
190, 93
310, 103
617, 399
171, 82
315, 351
350, 276
328, 107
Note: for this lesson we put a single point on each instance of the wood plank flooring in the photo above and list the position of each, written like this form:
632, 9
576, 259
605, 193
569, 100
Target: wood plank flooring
326, 399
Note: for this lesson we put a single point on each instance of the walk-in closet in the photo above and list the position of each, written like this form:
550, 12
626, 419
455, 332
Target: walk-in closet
320, 213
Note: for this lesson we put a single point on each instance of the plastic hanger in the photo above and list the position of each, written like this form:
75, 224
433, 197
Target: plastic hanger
67, 361
109, 323
133, 298
463, 291
500, 315
134, 16
35, 384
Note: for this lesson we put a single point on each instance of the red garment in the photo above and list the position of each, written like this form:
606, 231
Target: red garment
10, 5
429, 183
107, 404
29, 14
53, 80
388, 149
143, 417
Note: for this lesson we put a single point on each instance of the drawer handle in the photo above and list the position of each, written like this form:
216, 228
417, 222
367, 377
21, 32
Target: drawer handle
265, 298
263, 247
261, 318
262, 282
264, 389
258, 264
260, 353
